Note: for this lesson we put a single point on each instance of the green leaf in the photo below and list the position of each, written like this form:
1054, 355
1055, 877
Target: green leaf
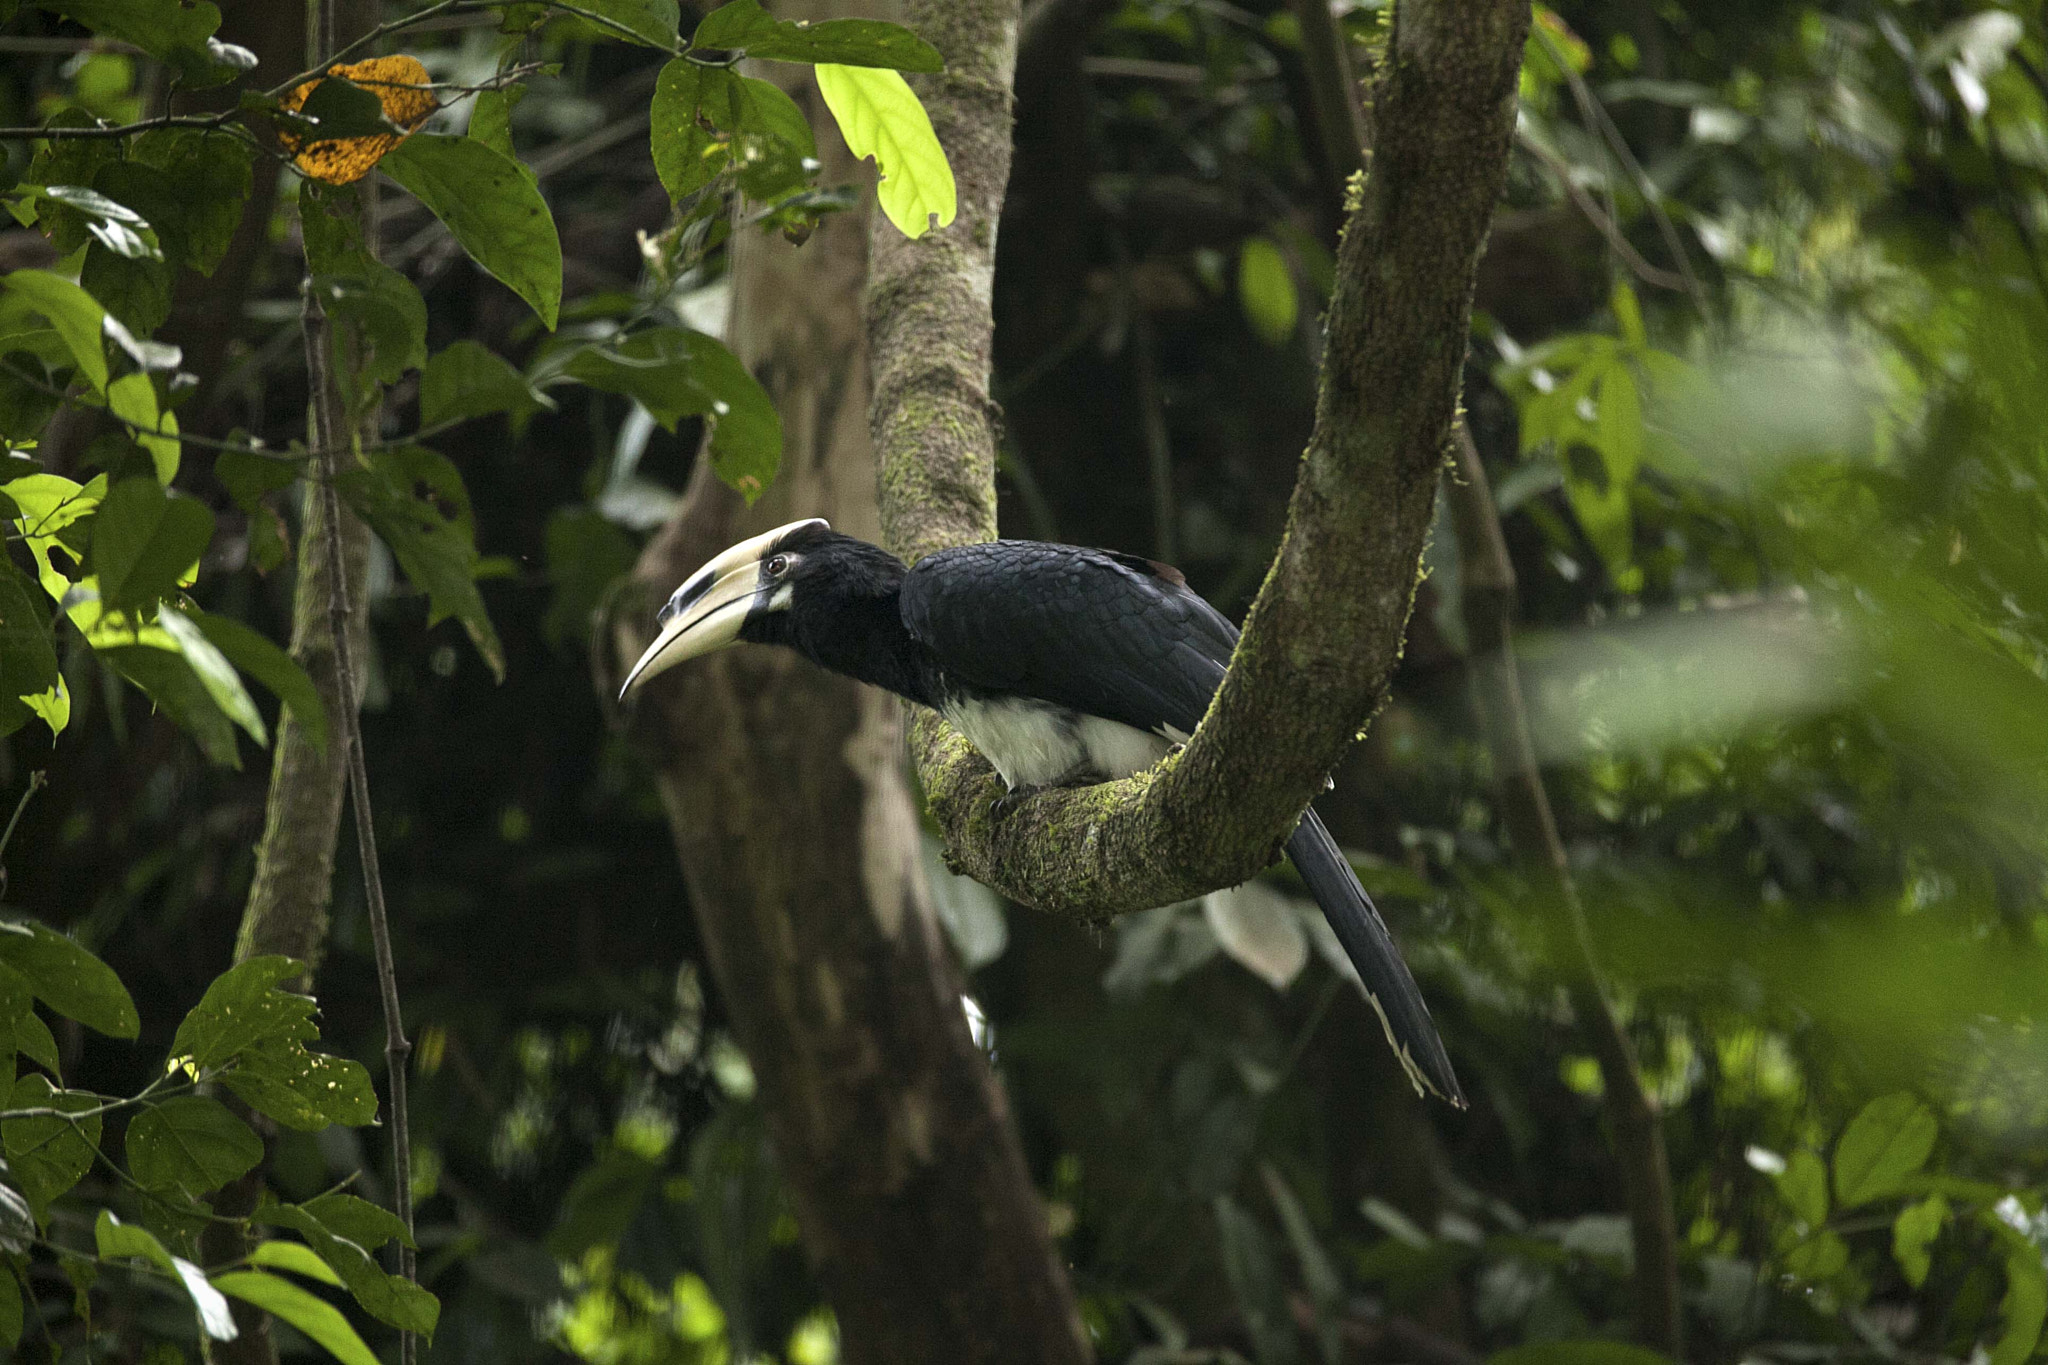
28, 655
389, 1298
2025, 1306
16, 1001
254, 653
1628, 315
75, 314
1821, 1257
115, 1238
215, 673
132, 398
112, 225
677, 373
389, 314
198, 203
1254, 1276
193, 1143
175, 31
47, 1156
301, 1089
1804, 1185
470, 380
601, 1203
242, 1008
69, 979
653, 23
136, 291
250, 478
586, 554
10, 1308
32, 1037
1578, 1353
743, 26
144, 542
317, 1318
296, 1257
414, 499
493, 206
368, 1225
1913, 1232
1887, 1141
879, 116
339, 108
490, 118
176, 690
1265, 290
691, 106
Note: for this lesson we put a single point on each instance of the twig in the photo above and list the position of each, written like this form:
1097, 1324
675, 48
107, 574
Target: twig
208, 122
1599, 218
327, 422
1152, 410
1487, 597
37, 780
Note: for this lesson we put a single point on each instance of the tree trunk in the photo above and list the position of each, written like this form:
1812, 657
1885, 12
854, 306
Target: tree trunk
795, 826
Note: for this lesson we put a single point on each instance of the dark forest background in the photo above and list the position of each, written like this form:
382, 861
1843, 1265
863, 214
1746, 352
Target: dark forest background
1760, 380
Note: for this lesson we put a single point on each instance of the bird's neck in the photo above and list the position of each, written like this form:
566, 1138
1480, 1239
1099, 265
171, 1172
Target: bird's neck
861, 634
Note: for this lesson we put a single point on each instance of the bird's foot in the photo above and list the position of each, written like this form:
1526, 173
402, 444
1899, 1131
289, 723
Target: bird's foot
1006, 805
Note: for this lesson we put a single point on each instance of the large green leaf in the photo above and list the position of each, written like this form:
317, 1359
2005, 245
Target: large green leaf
493, 206
191, 1142
215, 673
368, 1225
176, 31
881, 117
243, 1007
198, 202
114, 1238
1888, 1140
651, 22
390, 317
48, 1155
255, 654
470, 380
301, 1089
168, 680
690, 109
132, 398
144, 541
743, 26
601, 1202
75, 314
677, 373
2025, 1306
1913, 1232
136, 291
389, 1298
28, 655
1804, 1185
415, 500
317, 1318
69, 979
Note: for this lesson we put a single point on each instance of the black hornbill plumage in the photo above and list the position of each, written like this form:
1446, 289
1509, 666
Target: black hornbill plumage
1061, 665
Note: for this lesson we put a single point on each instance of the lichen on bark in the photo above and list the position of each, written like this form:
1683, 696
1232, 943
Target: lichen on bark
1324, 635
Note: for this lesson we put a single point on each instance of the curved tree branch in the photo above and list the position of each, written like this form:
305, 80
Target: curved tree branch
1325, 634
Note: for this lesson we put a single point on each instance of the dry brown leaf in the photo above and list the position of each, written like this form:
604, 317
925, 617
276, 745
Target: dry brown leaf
400, 84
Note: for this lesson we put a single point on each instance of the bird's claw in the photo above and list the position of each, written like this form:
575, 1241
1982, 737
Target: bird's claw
1006, 805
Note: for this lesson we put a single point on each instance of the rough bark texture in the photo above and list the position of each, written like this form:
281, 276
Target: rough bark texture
1487, 578
798, 838
1325, 634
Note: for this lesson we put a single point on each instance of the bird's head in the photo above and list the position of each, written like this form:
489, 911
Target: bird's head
749, 592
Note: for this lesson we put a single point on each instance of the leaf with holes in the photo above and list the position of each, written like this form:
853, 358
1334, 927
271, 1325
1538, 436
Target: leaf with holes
242, 1008
301, 1089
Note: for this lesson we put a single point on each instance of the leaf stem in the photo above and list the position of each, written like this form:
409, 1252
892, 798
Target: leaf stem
37, 780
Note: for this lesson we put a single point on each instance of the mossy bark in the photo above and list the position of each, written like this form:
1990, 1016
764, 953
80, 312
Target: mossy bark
798, 837
1324, 636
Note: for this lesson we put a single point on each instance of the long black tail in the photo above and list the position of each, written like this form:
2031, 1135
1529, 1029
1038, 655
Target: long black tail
1388, 986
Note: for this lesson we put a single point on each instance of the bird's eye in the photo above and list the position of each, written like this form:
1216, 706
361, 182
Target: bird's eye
778, 566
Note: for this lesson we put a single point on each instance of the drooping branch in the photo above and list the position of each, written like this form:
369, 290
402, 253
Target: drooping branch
1325, 633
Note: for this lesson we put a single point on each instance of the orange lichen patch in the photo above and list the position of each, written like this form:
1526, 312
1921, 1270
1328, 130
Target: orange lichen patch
400, 84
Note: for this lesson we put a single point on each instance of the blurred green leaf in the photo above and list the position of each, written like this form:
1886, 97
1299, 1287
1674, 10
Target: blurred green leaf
301, 1089
1913, 1232
1578, 1353
1804, 1185
1265, 289
243, 1007
1889, 1139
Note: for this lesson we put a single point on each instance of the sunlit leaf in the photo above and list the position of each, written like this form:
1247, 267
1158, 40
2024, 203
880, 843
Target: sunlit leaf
75, 314
314, 1316
1889, 1139
880, 116
1265, 289
114, 1238
1913, 1232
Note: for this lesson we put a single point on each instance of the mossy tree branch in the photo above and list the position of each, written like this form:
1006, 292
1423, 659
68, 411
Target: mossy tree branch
1325, 633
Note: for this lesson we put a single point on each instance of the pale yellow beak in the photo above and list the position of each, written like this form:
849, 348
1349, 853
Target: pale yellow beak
706, 613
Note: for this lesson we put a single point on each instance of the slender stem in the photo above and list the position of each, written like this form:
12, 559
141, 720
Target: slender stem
1487, 602
1598, 217
328, 420
37, 780
208, 122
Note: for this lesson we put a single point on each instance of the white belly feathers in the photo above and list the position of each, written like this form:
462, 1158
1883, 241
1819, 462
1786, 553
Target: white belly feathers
1036, 744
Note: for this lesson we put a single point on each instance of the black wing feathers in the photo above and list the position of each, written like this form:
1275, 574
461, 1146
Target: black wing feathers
1121, 637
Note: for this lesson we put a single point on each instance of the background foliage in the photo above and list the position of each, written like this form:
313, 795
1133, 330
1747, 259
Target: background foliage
1761, 381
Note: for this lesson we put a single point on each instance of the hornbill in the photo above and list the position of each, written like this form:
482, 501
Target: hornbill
1061, 665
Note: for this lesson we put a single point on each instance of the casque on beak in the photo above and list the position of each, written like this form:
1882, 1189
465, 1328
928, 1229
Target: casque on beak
706, 613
